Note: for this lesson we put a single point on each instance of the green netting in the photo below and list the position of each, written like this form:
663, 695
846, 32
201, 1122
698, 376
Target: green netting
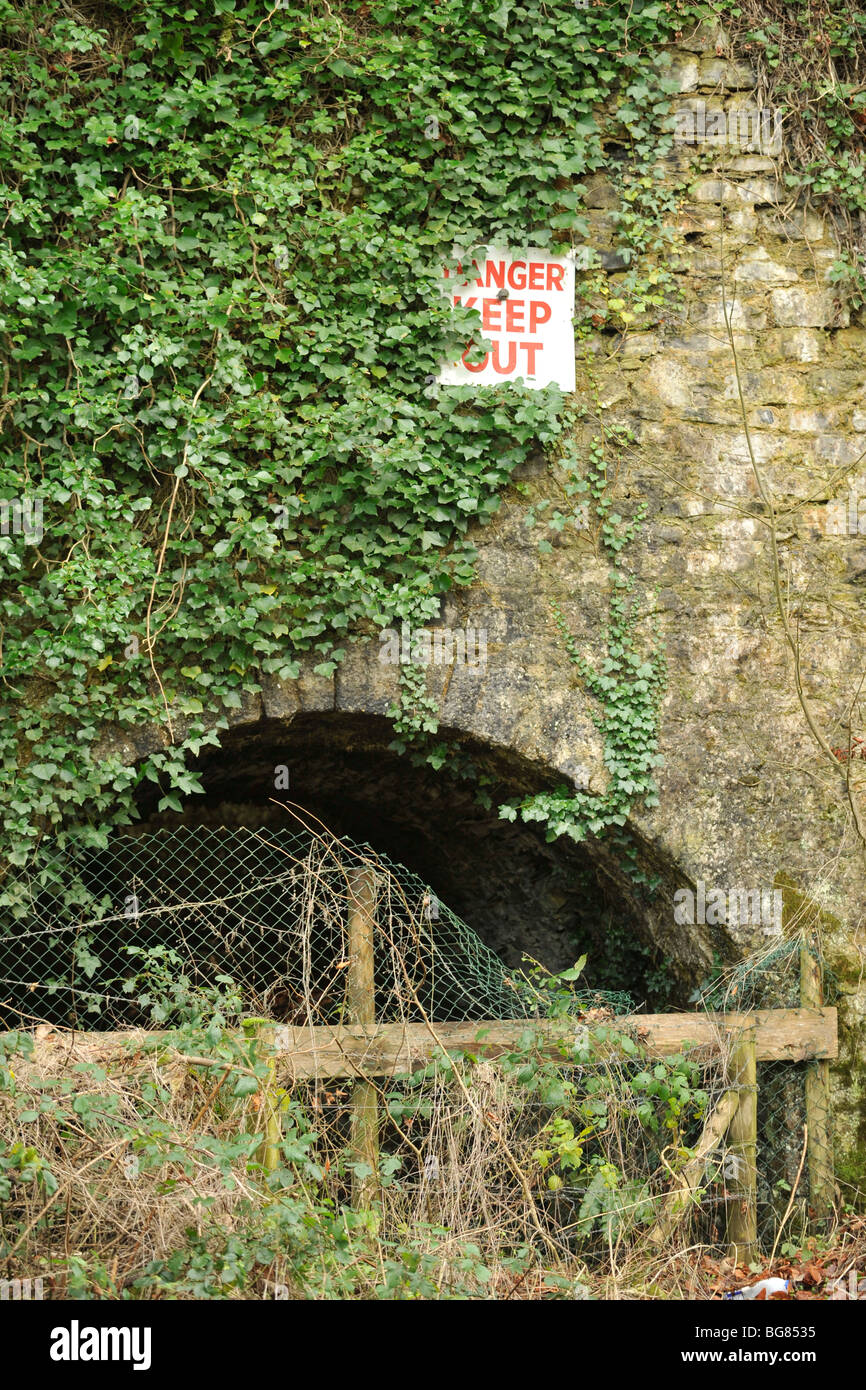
92, 936
614, 1001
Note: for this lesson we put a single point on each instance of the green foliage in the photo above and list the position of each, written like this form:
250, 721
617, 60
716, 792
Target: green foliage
223, 237
621, 959
812, 64
557, 991
847, 274
666, 1100
585, 1130
629, 684
161, 985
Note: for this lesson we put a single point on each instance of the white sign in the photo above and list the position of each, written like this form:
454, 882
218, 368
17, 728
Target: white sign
527, 311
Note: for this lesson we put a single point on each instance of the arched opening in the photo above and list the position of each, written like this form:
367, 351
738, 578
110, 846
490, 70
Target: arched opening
610, 899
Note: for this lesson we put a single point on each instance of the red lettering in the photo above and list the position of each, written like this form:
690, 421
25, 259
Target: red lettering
555, 275
536, 275
512, 359
514, 315
496, 274
490, 311
531, 349
517, 275
539, 312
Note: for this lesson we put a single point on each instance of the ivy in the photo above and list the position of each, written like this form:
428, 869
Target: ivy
221, 318
810, 65
629, 684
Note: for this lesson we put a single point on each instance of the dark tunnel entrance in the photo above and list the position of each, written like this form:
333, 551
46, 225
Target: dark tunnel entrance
523, 896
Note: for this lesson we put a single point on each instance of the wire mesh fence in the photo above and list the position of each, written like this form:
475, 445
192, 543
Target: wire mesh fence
90, 935
123, 936
795, 1149
465, 1159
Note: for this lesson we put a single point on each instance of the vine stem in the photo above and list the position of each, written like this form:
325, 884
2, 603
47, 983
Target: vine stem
790, 1205
792, 641
161, 561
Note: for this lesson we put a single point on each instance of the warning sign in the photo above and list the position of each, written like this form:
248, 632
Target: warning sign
526, 306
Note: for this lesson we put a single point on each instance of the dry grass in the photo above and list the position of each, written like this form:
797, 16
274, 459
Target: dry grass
138, 1163
469, 1177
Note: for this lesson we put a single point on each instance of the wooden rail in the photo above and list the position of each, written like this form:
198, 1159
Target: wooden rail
362, 1051
384, 1049
781, 1035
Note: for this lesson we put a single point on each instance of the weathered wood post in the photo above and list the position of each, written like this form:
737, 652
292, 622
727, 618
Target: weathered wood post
820, 1138
362, 1009
675, 1206
742, 1146
274, 1104
273, 1100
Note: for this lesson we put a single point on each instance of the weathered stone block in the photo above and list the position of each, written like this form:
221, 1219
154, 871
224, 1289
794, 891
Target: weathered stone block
600, 192
280, 699
714, 314
805, 308
813, 421
792, 344
709, 37
759, 269
315, 692
685, 72
751, 164
733, 77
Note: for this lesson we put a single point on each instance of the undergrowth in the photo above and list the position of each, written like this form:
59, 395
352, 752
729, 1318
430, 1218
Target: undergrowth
148, 1166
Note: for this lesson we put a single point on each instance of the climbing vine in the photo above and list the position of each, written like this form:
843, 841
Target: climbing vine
628, 685
224, 227
809, 58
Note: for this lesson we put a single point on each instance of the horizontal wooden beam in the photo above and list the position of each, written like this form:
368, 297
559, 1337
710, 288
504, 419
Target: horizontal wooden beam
791, 1035
782, 1035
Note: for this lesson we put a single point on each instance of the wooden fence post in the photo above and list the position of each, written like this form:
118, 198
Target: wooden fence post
275, 1103
674, 1207
273, 1099
820, 1140
362, 1009
742, 1145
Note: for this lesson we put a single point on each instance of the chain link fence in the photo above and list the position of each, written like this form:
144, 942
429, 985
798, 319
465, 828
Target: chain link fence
122, 936
791, 1171
87, 938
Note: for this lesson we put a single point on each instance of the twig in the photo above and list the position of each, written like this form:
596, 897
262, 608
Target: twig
793, 1193
195, 400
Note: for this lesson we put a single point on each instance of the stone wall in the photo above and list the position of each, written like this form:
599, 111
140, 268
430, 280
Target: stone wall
746, 795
